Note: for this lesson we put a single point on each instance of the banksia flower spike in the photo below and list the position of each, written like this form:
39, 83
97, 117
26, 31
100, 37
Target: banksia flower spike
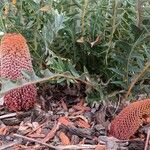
15, 57
129, 119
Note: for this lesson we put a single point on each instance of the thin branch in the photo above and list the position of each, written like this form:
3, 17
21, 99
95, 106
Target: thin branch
147, 140
114, 27
139, 12
33, 140
37, 128
137, 78
76, 147
8, 145
8, 115
83, 17
67, 147
46, 79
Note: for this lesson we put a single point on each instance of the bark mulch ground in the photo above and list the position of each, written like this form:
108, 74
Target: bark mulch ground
62, 120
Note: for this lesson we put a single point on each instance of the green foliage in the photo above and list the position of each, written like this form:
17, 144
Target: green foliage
108, 37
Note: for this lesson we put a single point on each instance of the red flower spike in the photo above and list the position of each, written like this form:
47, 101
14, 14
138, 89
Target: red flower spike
15, 57
129, 119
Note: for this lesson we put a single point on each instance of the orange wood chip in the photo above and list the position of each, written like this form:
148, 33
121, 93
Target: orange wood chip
82, 123
82, 141
64, 138
51, 134
81, 103
64, 105
100, 147
3, 130
75, 113
64, 120
82, 108
36, 135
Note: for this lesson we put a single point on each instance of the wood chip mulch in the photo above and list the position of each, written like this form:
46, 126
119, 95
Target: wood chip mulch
62, 120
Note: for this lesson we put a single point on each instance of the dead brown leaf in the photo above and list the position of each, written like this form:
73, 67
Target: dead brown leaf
28, 127
46, 8
38, 129
97, 41
81, 40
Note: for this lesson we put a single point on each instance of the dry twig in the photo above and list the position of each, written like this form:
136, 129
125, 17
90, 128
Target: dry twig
8, 145
146, 68
67, 147
147, 140
8, 115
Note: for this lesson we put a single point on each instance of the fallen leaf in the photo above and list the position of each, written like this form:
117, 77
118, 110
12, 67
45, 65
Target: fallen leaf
98, 39
46, 8
35, 125
24, 128
37, 130
51, 134
28, 127
64, 138
81, 40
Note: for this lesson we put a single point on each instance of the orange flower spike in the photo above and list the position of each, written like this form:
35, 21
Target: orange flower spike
129, 119
15, 57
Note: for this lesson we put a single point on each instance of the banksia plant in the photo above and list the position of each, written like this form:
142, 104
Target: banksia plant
15, 57
129, 119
